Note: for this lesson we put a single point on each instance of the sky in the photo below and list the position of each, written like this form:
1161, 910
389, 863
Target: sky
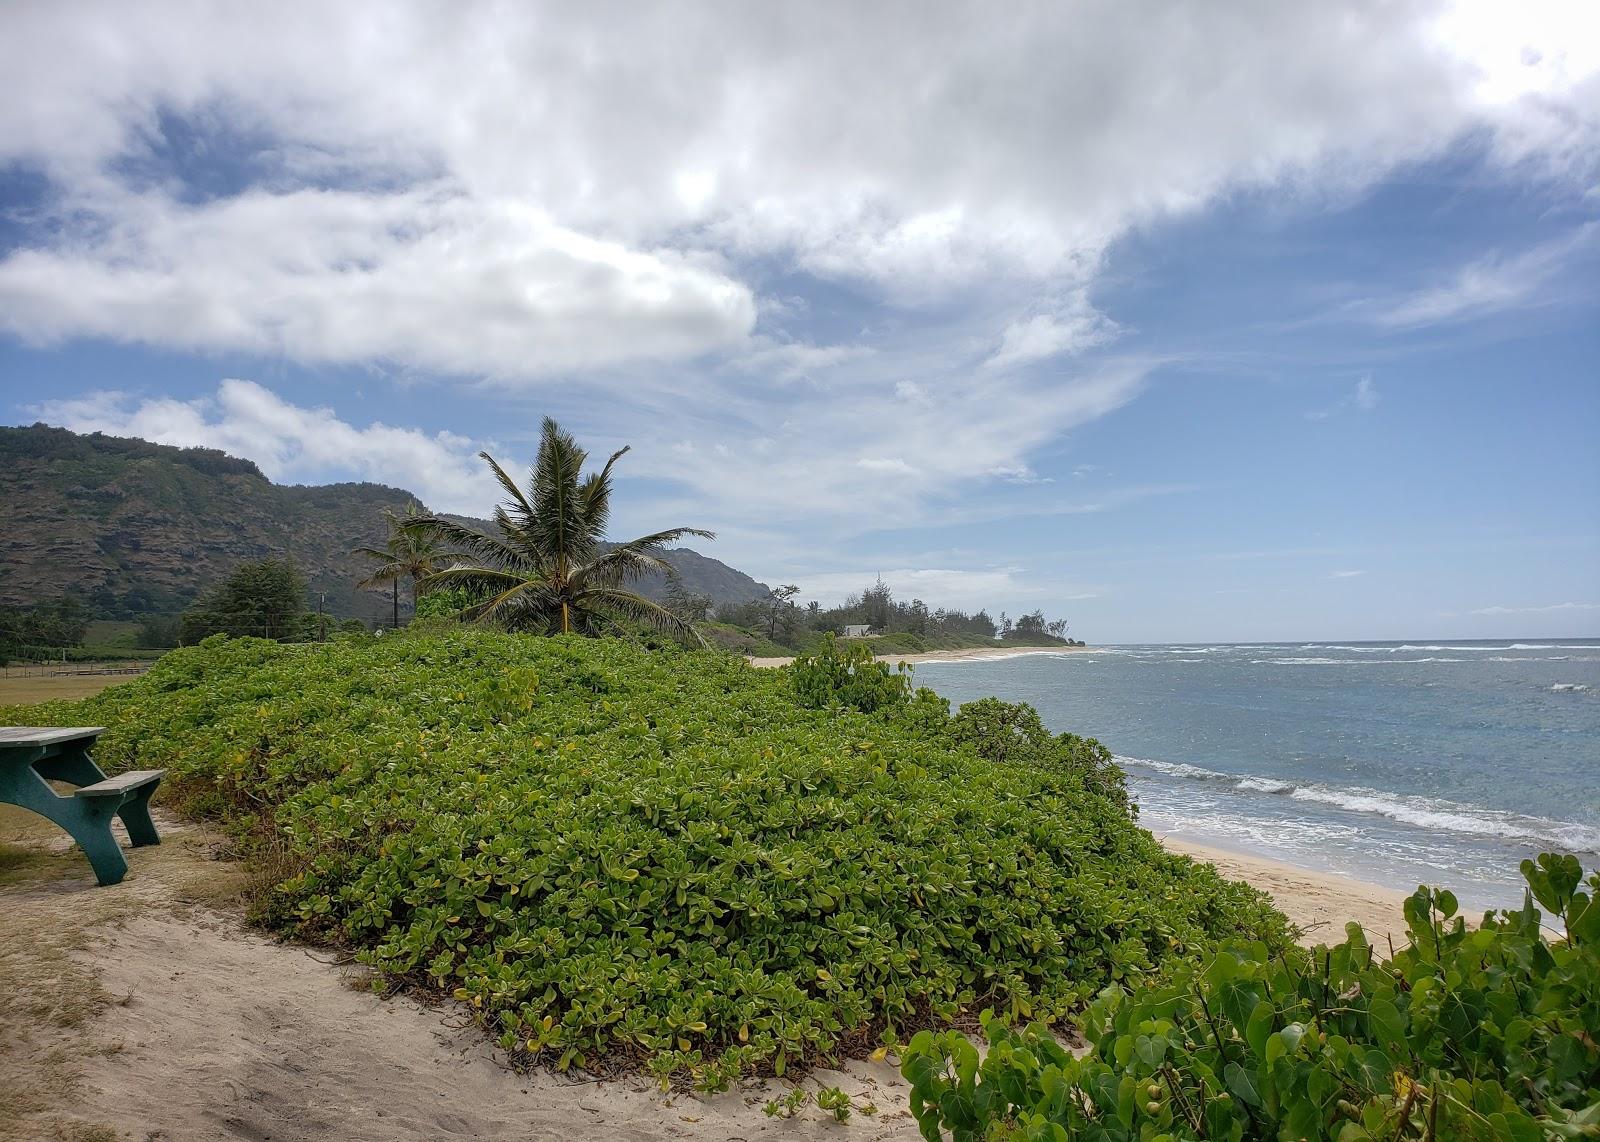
1221, 322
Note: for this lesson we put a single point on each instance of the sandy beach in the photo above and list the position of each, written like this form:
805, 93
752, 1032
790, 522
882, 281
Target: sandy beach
1319, 903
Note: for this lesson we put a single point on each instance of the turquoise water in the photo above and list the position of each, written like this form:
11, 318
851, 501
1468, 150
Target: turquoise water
1397, 763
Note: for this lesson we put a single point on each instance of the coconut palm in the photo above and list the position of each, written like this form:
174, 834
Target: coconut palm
410, 553
548, 569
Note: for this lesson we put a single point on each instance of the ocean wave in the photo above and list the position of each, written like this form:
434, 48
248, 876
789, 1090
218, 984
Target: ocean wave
1570, 687
1436, 647
1423, 812
1349, 661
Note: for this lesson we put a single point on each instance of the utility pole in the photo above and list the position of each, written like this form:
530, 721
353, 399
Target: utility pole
322, 622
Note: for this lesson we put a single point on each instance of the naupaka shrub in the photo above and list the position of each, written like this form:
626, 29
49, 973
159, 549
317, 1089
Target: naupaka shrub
1476, 1034
664, 858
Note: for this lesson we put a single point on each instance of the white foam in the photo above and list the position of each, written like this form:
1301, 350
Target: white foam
1349, 661
1423, 812
1439, 647
1265, 785
1570, 687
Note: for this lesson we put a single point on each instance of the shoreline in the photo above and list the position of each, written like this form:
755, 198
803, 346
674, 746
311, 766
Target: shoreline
1319, 903
962, 655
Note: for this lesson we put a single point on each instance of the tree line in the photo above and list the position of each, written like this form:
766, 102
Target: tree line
777, 617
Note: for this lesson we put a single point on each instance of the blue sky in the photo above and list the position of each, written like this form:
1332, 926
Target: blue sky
1279, 322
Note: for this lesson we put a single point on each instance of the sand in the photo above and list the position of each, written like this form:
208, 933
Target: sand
150, 1011
952, 655
1319, 903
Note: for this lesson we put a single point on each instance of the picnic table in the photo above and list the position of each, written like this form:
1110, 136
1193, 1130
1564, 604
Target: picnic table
31, 757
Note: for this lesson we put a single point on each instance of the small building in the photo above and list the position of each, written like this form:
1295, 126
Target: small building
859, 630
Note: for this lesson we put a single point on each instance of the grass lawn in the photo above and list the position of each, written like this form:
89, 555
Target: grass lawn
27, 689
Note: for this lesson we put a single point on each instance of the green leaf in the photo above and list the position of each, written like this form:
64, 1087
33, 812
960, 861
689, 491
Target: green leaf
1388, 1025
1259, 1027
1242, 1084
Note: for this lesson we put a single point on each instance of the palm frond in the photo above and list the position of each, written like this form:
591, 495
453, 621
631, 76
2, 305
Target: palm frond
665, 538
518, 606
643, 610
509, 485
475, 578
558, 522
382, 576
595, 495
619, 565
484, 548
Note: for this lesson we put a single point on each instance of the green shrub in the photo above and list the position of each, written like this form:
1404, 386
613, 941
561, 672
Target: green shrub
447, 603
663, 858
846, 674
1011, 733
1492, 1033
895, 642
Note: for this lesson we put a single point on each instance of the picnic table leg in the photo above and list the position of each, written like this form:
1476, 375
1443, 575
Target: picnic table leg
86, 820
135, 814
93, 834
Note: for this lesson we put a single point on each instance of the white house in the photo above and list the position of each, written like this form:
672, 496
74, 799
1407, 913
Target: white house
857, 631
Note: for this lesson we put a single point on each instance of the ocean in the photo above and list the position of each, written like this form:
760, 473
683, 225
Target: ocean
1398, 763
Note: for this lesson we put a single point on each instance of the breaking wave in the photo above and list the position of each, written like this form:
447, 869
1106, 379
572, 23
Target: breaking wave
1423, 812
1349, 661
1437, 647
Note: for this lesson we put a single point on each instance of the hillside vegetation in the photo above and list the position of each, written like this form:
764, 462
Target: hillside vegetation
131, 528
625, 857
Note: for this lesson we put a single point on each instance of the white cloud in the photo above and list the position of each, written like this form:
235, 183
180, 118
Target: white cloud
1489, 285
1548, 609
907, 451
968, 589
1069, 328
533, 193
1019, 474
794, 360
1345, 574
1365, 398
421, 278
604, 190
945, 587
888, 464
292, 444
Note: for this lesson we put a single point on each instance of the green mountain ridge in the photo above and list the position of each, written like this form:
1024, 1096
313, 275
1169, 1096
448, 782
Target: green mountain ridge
130, 527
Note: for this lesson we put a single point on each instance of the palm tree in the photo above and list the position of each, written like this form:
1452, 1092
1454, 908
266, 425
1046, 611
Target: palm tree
548, 570
410, 553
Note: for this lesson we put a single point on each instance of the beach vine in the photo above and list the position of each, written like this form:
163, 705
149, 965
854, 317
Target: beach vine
667, 860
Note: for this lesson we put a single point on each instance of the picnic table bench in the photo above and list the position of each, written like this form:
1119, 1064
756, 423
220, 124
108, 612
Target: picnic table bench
31, 757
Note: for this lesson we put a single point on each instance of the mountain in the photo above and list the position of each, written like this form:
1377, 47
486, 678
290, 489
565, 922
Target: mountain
131, 527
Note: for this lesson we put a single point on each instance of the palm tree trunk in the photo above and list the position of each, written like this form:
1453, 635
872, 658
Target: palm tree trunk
396, 586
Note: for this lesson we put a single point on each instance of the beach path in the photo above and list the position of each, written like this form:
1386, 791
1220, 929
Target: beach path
149, 1011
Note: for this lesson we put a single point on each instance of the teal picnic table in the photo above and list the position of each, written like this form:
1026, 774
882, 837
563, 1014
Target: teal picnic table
31, 757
